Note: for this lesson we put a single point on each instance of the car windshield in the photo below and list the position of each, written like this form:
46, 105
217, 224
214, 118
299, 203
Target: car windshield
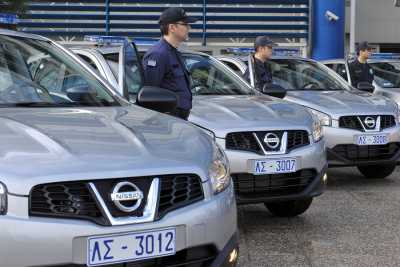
35, 73
297, 74
211, 77
386, 74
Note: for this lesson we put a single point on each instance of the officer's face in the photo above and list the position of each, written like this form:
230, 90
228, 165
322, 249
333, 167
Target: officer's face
180, 30
266, 52
365, 53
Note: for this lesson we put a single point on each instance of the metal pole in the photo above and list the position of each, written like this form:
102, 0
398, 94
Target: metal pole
204, 23
352, 26
310, 28
107, 17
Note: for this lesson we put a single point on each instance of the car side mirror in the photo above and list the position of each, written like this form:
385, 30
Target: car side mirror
366, 87
274, 90
158, 99
81, 93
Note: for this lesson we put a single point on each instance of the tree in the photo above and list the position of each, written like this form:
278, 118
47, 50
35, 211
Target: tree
13, 6
17, 7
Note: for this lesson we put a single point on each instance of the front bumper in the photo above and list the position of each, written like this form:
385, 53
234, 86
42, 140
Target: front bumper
310, 157
343, 151
34, 241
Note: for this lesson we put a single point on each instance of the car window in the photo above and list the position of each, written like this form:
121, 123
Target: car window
112, 60
132, 81
211, 77
297, 74
89, 61
331, 66
341, 70
387, 74
233, 67
47, 75
133, 76
38, 71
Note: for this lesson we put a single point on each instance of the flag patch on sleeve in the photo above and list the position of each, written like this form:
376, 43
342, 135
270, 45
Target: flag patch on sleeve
152, 63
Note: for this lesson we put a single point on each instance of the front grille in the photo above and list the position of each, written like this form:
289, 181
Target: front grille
200, 256
297, 139
74, 200
387, 121
357, 122
246, 141
70, 199
367, 153
178, 191
248, 186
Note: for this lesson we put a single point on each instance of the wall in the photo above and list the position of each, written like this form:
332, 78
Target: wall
377, 21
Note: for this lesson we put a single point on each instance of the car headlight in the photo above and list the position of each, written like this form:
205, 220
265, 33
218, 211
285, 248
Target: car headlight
317, 129
3, 199
324, 119
219, 170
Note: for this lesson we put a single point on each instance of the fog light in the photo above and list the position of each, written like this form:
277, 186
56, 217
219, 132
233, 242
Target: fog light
233, 256
325, 178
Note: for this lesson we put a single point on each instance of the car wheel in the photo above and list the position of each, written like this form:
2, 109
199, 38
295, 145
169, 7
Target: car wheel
290, 208
376, 171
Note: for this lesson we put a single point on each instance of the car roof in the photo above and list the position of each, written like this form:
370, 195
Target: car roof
183, 51
244, 58
372, 60
22, 34
103, 49
335, 60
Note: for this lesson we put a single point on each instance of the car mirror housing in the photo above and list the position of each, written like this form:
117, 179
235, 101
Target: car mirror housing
156, 98
274, 90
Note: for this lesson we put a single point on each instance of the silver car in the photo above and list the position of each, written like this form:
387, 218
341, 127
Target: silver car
89, 179
361, 129
276, 150
386, 74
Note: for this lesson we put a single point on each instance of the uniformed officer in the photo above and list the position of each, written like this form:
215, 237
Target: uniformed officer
263, 52
360, 70
163, 64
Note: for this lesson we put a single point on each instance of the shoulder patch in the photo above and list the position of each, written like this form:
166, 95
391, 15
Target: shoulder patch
152, 63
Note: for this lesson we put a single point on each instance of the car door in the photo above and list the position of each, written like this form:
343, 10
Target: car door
133, 72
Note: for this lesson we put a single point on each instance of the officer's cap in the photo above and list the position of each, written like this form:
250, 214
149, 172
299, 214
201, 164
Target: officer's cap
173, 15
263, 41
364, 46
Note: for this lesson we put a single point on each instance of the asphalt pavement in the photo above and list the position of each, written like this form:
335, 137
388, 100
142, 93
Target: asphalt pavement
356, 222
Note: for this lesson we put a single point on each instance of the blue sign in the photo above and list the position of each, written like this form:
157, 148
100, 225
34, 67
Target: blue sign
377, 56
8, 19
385, 56
240, 50
106, 39
277, 51
287, 52
144, 41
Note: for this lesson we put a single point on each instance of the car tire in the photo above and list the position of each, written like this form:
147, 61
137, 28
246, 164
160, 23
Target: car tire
376, 171
290, 208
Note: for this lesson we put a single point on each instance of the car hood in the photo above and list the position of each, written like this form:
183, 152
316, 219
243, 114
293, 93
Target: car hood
45, 145
338, 103
392, 93
225, 114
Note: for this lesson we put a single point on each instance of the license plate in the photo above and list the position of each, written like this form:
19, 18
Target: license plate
130, 247
376, 139
275, 166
